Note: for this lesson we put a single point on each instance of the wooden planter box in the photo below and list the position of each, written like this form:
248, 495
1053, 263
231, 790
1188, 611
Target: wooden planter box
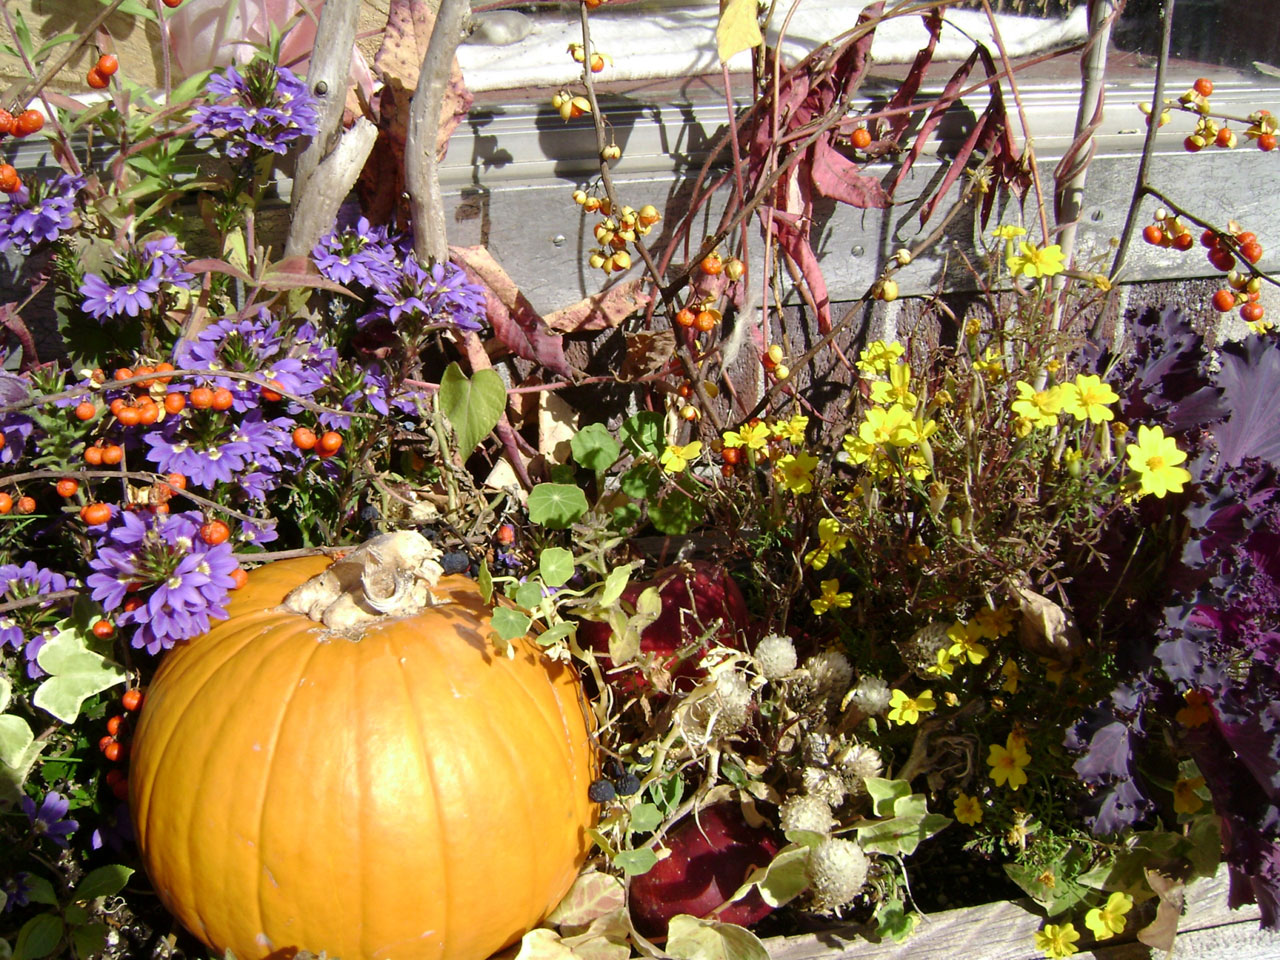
1003, 931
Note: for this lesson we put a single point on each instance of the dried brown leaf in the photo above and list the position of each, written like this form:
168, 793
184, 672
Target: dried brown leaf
602, 310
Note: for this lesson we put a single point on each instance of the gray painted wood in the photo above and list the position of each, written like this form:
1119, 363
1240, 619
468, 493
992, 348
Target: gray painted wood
1003, 931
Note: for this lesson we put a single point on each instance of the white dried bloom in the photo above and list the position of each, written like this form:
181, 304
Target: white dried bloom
723, 712
823, 783
856, 763
805, 812
837, 869
831, 672
870, 696
776, 655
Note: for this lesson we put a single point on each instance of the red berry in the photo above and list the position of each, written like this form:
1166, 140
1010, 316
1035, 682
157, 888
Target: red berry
1192, 145
1224, 300
1153, 234
1251, 251
95, 79
861, 138
1225, 137
506, 534
271, 393
114, 723
105, 742
1204, 87
26, 505
1183, 241
1267, 142
6, 122
113, 750
107, 64
132, 700
67, 487
1222, 259
1251, 312
104, 630
1209, 239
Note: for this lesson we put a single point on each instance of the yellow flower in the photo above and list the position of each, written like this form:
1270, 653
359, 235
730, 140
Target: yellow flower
830, 541
831, 598
795, 472
753, 436
1196, 713
793, 430
1057, 940
878, 356
674, 459
1011, 674
1108, 920
968, 809
1101, 281
884, 425
858, 450
918, 430
964, 643
906, 710
1006, 764
992, 624
1041, 407
991, 365
1087, 399
1155, 459
897, 389
1008, 232
945, 665
1033, 261
1185, 799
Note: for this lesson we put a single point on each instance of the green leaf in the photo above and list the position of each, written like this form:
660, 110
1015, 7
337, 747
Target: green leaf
103, 882
473, 406
1059, 898
885, 793
509, 624
556, 505
15, 735
780, 881
529, 595
485, 582
641, 482
89, 941
41, 890
643, 433
645, 818
556, 566
635, 862
893, 921
594, 447
542, 944
676, 514
75, 673
592, 895
614, 584
561, 631
38, 937
900, 835
809, 839
624, 516
689, 938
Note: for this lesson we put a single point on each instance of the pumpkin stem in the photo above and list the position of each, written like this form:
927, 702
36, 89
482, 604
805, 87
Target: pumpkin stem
390, 575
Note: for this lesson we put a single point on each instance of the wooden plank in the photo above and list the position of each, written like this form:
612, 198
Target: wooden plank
1003, 931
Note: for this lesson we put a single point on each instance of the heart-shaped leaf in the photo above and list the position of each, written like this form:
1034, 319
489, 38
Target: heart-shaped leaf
472, 406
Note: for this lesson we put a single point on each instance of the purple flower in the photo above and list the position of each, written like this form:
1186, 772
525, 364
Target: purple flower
115, 831
103, 300
266, 107
39, 213
136, 277
361, 254
51, 819
430, 299
16, 889
174, 580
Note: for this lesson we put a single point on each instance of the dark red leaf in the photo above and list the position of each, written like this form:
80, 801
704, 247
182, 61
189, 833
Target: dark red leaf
931, 122
981, 131
793, 236
837, 177
891, 128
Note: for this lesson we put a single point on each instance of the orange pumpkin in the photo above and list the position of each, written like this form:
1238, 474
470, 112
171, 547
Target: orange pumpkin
409, 792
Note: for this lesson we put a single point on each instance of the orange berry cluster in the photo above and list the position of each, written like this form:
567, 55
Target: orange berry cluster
772, 361
613, 233
325, 445
1208, 132
100, 73
1168, 231
598, 60
114, 746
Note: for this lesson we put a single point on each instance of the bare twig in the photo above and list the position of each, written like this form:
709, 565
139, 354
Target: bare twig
422, 159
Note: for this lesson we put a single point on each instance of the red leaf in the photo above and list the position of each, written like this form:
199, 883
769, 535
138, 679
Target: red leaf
894, 126
517, 325
210, 265
935, 117
299, 272
837, 177
981, 130
602, 310
793, 236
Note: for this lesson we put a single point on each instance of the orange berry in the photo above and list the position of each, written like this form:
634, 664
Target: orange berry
144, 372
6, 123
164, 368
105, 630
1224, 300
10, 182
113, 723
26, 505
331, 442
113, 750
1153, 234
712, 264
85, 410
176, 480
201, 398
67, 487
686, 317
304, 438
112, 454
222, 399
27, 123
93, 456
1251, 251
861, 138
95, 513
1267, 142
174, 402
107, 741
272, 395
129, 416
239, 578
1251, 312
123, 373
6, 503
1204, 87
215, 532
705, 321
132, 700
107, 64
95, 79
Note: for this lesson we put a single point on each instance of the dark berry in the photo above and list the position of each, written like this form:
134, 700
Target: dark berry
613, 768
628, 784
455, 561
601, 791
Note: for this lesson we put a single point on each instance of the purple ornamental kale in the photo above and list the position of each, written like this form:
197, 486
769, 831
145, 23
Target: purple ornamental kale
267, 107
38, 213
50, 820
163, 577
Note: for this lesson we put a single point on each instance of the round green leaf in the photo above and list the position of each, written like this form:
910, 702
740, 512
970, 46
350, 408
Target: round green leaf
39, 937
509, 624
556, 566
556, 505
643, 432
594, 447
676, 514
